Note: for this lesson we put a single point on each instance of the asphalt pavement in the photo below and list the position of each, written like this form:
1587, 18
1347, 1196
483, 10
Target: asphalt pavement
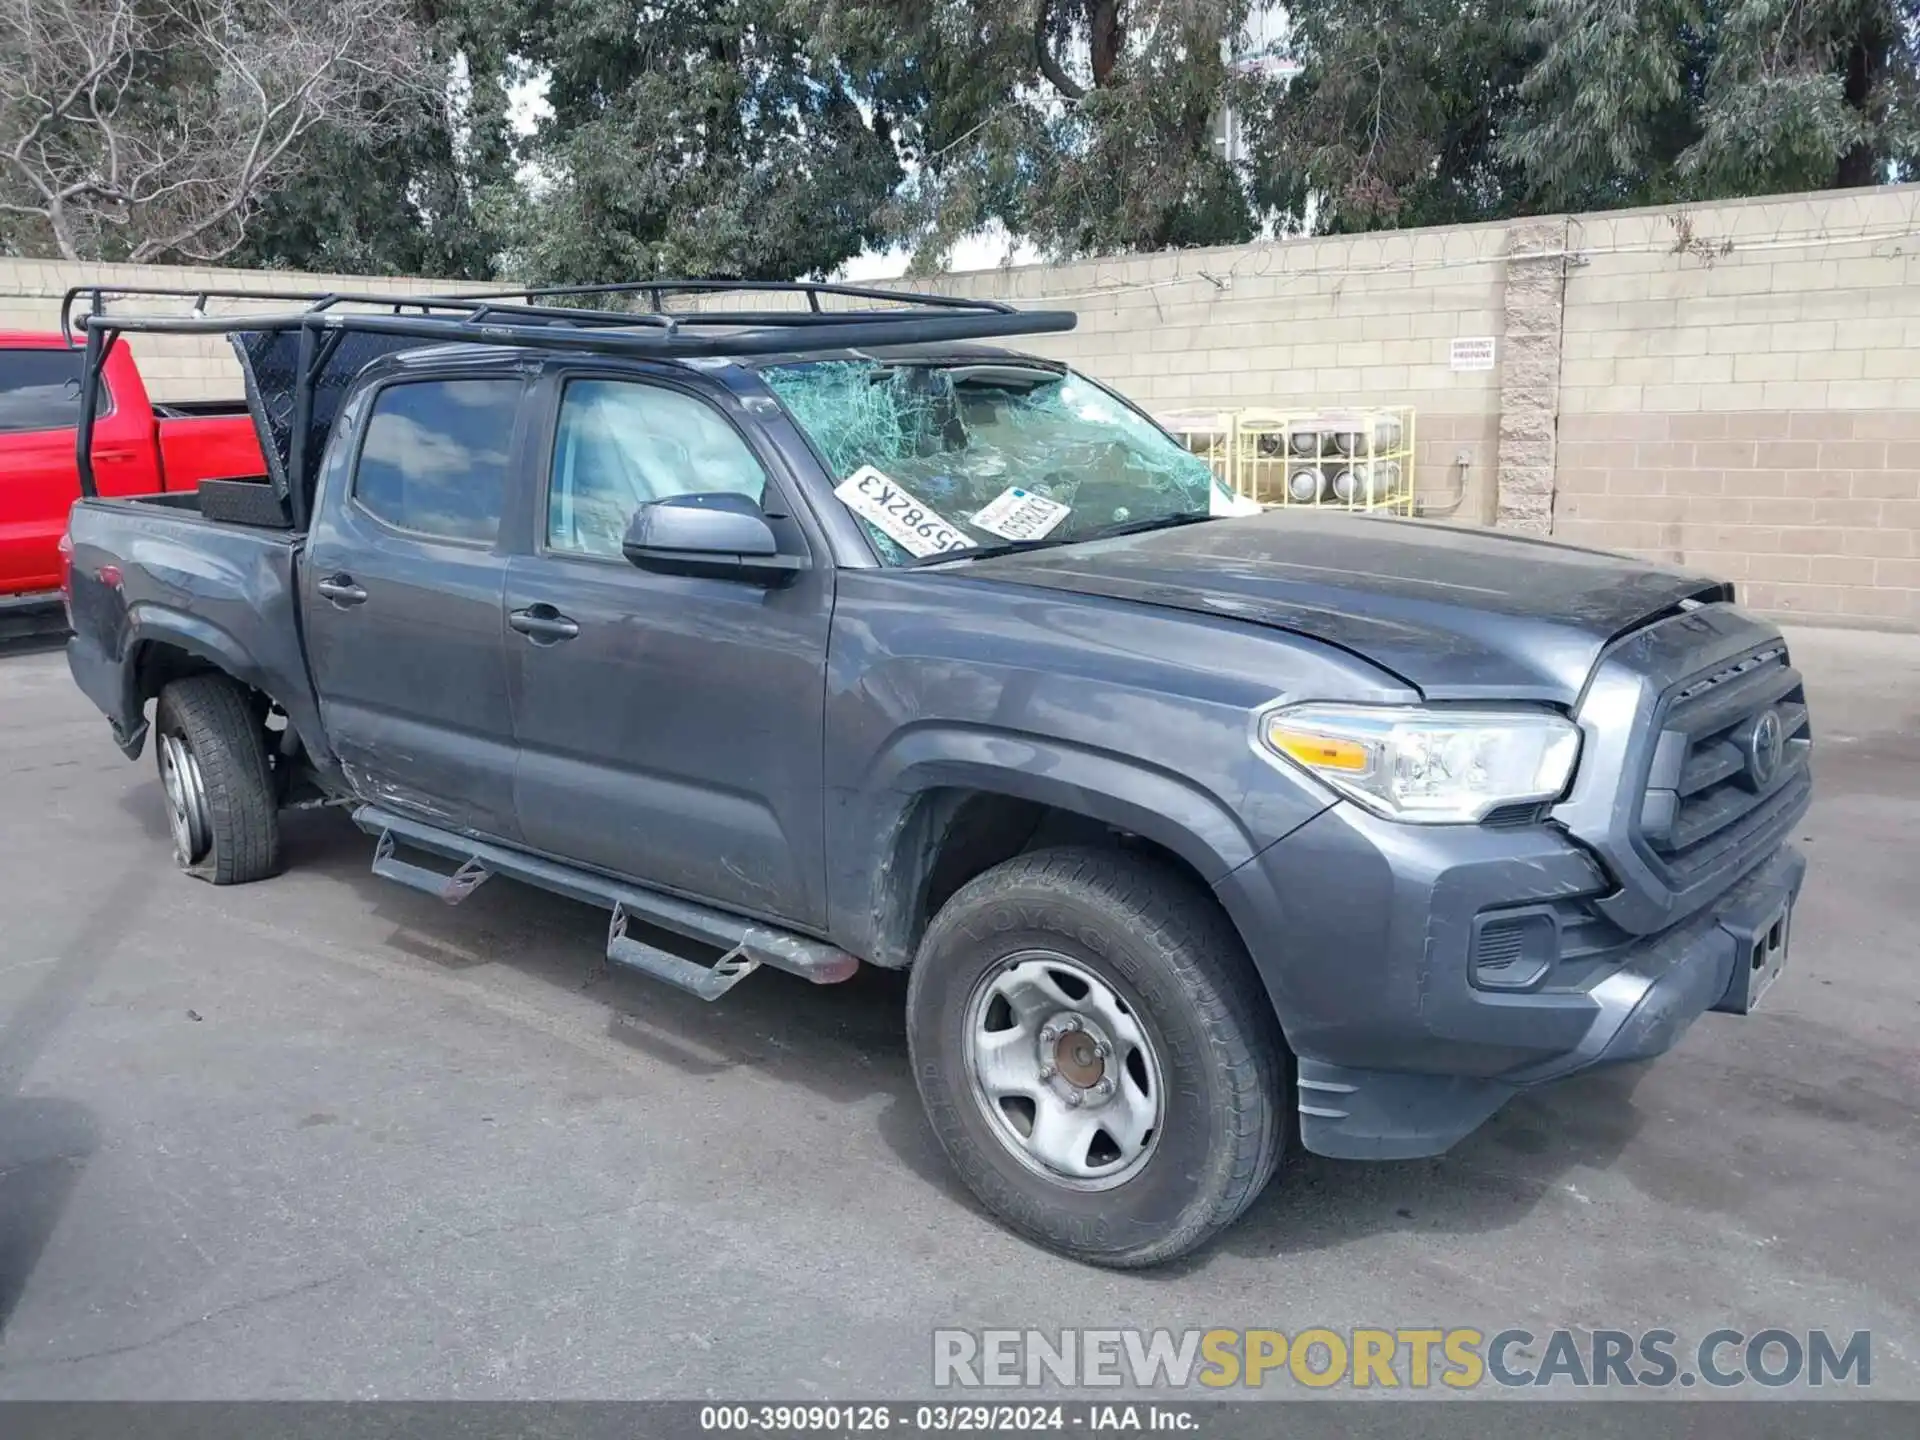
324, 1137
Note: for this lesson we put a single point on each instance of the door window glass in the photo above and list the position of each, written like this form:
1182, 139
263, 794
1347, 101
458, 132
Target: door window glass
40, 389
621, 445
434, 460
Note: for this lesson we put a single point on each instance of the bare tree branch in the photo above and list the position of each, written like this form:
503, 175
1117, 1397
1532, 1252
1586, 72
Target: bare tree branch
143, 129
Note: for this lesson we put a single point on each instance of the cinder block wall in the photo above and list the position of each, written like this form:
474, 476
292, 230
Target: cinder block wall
1741, 392
1731, 387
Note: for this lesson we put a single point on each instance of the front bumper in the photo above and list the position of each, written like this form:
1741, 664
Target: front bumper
1400, 1053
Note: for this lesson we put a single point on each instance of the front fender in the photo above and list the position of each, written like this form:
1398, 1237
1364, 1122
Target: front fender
885, 834
1164, 807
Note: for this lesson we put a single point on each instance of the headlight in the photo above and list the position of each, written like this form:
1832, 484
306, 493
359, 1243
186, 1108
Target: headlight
1430, 766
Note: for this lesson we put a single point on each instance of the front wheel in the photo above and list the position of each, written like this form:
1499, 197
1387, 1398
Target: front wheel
214, 767
1096, 1054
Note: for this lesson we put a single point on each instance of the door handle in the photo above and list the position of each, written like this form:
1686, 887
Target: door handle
341, 590
543, 625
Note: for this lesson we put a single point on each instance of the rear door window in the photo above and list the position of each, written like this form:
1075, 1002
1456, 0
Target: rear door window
40, 389
434, 460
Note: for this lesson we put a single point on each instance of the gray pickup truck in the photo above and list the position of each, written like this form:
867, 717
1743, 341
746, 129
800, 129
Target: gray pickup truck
826, 634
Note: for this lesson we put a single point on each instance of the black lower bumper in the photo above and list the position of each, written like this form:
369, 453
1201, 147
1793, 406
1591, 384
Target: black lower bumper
1400, 1054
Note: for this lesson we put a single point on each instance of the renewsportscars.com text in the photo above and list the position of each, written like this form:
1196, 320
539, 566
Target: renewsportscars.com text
1459, 1358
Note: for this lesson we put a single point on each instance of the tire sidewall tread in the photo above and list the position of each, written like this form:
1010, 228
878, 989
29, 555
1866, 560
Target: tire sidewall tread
215, 715
1174, 957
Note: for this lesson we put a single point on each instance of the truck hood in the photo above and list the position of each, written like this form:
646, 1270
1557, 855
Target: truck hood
1457, 613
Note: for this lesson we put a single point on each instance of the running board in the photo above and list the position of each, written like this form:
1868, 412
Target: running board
747, 944
451, 888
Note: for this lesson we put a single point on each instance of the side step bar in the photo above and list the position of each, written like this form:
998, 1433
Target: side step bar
748, 944
451, 888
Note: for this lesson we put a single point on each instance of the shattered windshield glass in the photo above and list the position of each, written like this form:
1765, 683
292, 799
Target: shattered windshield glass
937, 459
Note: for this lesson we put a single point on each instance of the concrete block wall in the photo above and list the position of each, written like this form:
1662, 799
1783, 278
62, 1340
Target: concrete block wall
1740, 392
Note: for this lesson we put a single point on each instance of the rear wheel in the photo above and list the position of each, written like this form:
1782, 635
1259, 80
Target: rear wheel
211, 748
1096, 1054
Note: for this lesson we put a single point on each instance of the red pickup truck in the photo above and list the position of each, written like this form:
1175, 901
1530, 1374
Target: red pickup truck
139, 448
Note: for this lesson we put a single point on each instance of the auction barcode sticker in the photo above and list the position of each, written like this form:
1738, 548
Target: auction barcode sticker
901, 516
1016, 514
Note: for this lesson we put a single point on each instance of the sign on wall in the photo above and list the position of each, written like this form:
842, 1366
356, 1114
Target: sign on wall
1470, 352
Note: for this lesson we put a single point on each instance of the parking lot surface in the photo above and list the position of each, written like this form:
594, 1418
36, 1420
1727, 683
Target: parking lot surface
325, 1137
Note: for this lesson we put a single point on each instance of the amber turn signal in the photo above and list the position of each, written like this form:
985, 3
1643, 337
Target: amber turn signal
1322, 752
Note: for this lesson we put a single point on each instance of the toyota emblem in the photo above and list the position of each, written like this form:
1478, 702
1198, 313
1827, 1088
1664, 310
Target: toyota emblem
1766, 743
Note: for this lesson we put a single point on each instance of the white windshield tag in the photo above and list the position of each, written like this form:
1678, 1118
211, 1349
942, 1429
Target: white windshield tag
1017, 514
912, 524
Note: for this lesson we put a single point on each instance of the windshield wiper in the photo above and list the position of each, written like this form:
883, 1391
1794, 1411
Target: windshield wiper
1105, 532
1140, 527
982, 552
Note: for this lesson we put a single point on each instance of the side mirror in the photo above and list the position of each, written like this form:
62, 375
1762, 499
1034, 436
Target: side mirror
717, 534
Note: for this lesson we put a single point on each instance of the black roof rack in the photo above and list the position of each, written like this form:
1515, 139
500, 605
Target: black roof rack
554, 317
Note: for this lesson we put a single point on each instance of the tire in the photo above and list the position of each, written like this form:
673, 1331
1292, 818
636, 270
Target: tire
1181, 1006
211, 748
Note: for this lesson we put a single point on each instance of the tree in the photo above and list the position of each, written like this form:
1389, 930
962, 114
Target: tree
1642, 101
151, 129
1393, 118
701, 138
426, 191
1086, 126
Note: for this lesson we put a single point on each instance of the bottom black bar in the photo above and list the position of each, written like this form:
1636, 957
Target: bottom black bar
1204, 1420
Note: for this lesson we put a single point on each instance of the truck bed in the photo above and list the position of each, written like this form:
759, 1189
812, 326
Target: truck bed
156, 581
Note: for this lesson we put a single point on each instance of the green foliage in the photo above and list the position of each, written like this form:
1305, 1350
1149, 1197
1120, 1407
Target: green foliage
1608, 102
1394, 118
1801, 96
693, 138
1643, 101
1085, 126
774, 138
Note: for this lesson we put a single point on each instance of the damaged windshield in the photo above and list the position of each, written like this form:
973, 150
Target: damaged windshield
939, 460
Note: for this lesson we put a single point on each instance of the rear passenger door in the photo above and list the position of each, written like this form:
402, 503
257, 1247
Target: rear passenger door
669, 725
403, 598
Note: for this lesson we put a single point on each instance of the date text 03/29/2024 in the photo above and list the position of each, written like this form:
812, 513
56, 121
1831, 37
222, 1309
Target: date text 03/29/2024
944, 1418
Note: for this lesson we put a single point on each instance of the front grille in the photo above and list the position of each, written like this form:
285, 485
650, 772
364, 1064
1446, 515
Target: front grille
1731, 763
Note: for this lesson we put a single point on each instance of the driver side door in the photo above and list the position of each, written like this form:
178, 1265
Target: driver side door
670, 726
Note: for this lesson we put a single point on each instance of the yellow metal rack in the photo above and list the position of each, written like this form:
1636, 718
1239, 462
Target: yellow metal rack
1347, 459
